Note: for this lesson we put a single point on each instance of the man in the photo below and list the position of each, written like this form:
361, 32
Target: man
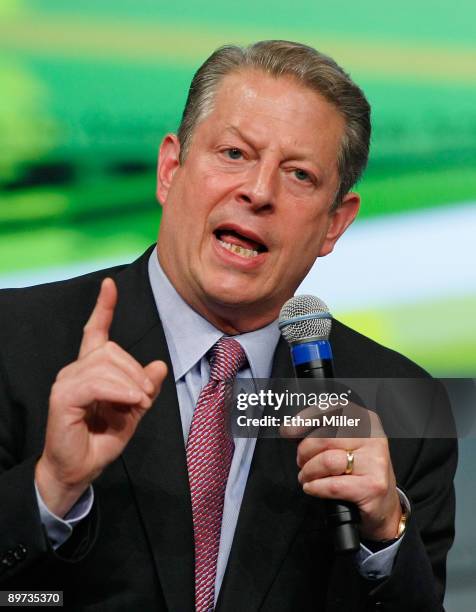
127, 501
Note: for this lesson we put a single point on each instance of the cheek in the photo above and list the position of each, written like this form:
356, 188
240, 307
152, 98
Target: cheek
215, 186
215, 181
302, 248
304, 230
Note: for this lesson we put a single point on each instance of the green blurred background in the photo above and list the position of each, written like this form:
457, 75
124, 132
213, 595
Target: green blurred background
88, 89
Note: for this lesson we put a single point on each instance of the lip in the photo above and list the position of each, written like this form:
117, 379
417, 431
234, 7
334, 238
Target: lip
235, 260
245, 232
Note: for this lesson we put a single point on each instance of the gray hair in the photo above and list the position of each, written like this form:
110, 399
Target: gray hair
310, 68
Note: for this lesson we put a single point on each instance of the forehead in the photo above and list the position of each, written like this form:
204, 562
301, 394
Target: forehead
275, 110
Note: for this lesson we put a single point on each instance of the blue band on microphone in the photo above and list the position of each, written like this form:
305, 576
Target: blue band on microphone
310, 351
305, 317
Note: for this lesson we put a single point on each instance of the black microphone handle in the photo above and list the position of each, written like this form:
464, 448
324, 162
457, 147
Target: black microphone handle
342, 516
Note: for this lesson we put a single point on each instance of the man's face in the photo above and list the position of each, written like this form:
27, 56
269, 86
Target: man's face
247, 214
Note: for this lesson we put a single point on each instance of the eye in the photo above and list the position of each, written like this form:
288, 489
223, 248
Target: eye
234, 153
302, 175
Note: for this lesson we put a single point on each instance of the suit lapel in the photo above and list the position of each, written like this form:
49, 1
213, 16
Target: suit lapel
272, 510
155, 460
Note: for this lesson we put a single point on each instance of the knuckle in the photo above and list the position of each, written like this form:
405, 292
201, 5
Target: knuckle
62, 373
102, 370
56, 393
102, 355
94, 387
305, 448
335, 488
379, 485
375, 423
380, 462
330, 462
111, 347
87, 328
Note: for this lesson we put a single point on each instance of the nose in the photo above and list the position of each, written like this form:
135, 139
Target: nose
260, 186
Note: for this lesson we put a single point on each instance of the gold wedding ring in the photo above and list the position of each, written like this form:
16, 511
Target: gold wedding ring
349, 468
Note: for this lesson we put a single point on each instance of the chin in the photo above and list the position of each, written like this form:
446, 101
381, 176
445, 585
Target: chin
231, 299
230, 294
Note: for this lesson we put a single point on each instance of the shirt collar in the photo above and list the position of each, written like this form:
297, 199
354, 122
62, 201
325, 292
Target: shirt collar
190, 336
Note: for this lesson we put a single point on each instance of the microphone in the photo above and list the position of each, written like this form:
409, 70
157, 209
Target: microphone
305, 323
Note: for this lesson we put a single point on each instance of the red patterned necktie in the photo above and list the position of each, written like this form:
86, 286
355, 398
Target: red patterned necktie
209, 454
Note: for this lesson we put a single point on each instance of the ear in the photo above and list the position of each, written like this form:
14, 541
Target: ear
167, 165
339, 221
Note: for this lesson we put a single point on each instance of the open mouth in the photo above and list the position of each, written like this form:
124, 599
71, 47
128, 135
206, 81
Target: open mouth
243, 244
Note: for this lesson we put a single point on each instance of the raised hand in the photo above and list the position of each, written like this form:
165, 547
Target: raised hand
95, 406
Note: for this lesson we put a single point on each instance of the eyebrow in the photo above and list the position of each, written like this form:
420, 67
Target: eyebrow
237, 132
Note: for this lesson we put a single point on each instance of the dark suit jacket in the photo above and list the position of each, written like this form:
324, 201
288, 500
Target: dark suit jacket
135, 550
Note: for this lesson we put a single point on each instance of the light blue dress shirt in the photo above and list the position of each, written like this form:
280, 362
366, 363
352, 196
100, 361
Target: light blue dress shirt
189, 338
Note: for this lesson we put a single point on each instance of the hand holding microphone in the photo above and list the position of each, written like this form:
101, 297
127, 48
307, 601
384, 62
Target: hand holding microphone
355, 474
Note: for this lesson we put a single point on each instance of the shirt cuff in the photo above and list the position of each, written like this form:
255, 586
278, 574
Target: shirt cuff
378, 565
59, 529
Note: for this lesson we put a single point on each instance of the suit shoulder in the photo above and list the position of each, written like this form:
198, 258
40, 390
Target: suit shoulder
50, 305
355, 352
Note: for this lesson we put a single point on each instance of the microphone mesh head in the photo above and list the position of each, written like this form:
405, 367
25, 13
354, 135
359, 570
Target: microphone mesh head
302, 308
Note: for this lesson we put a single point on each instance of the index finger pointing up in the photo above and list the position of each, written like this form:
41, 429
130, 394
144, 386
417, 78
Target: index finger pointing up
96, 330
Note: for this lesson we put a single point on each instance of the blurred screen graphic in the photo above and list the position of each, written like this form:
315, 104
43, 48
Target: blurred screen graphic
88, 90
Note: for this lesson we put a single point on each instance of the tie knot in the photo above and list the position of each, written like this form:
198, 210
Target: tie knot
227, 356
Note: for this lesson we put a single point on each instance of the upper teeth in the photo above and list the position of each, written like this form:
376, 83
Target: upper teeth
234, 248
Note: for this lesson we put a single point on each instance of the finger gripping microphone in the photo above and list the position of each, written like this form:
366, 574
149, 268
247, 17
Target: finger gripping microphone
305, 323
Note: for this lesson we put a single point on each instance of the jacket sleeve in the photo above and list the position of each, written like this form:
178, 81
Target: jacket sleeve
24, 547
418, 579
425, 469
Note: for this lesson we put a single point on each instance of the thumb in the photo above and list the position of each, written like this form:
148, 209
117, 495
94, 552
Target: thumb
156, 371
